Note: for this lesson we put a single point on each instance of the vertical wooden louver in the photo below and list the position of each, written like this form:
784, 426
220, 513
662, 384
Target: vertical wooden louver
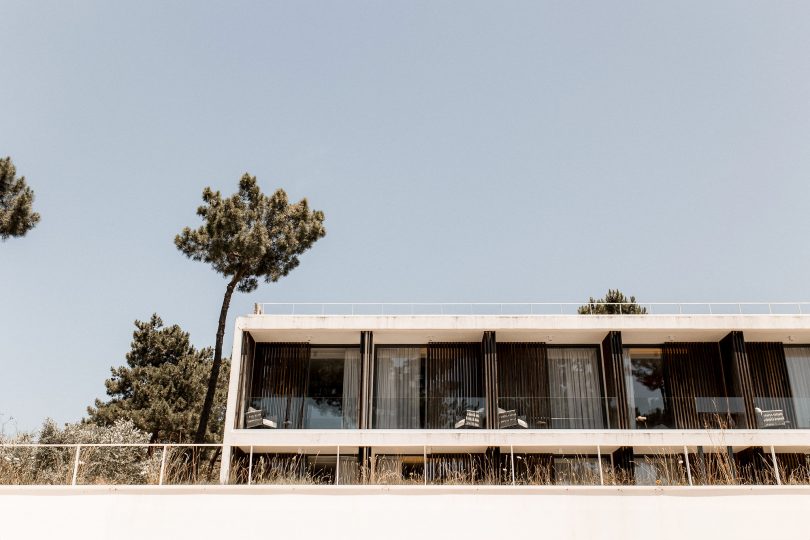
248, 350
490, 353
615, 386
366, 377
278, 385
771, 379
523, 382
454, 383
737, 371
696, 385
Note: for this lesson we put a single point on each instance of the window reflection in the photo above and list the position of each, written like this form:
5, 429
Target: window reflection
296, 386
333, 388
647, 393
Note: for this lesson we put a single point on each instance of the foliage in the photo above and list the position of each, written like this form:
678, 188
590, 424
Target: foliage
16, 199
246, 237
614, 303
161, 388
54, 464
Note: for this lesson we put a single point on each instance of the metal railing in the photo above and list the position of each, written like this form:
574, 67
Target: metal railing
683, 465
531, 308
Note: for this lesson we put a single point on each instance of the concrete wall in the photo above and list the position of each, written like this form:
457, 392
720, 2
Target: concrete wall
332, 513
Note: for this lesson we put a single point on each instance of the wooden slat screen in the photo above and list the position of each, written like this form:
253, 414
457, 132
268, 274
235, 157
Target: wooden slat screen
738, 377
248, 351
454, 383
770, 377
523, 382
279, 381
489, 349
696, 385
366, 377
615, 385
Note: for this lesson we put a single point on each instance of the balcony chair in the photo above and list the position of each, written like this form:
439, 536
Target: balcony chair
509, 419
771, 419
472, 419
255, 418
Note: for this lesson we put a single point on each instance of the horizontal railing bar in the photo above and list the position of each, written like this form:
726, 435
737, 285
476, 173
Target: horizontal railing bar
642, 304
109, 445
529, 308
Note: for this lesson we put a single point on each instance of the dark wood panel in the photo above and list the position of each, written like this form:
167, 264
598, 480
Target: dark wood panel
523, 382
280, 373
454, 383
738, 377
693, 374
770, 378
490, 353
618, 409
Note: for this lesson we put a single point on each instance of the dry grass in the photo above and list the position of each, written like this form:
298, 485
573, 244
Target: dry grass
393, 470
108, 465
794, 476
278, 469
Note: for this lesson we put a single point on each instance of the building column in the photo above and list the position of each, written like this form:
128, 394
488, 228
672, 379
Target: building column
739, 383
490, 353
615, 389
366, 378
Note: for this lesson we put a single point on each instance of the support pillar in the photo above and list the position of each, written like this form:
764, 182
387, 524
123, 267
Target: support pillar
490, 353
366, 378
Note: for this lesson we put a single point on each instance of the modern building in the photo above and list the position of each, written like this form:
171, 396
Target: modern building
519, 394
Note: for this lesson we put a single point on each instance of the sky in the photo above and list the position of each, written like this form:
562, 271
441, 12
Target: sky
462, 152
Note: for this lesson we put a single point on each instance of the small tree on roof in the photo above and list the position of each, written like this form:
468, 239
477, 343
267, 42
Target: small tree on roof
245, 237
614, 303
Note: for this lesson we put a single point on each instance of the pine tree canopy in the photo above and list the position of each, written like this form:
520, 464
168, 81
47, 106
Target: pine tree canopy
162, 386
16, 200
614, 303
246, 237
251, 235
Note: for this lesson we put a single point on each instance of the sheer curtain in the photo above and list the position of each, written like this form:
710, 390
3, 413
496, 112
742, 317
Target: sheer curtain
351, 389
575, 388
798, 366
396, 388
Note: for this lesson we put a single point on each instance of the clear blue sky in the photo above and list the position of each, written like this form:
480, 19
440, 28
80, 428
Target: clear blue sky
462, 151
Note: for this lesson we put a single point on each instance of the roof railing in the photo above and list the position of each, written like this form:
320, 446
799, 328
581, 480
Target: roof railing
531, 308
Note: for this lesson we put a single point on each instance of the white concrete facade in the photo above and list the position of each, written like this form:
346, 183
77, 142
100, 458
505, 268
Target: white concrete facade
551, 329
359, 513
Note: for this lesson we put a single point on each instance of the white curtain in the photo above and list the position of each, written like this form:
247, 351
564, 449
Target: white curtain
798, 366
396, 388
351, 389
575, 388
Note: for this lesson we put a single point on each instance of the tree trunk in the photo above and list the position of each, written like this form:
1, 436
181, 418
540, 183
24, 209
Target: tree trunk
212, 381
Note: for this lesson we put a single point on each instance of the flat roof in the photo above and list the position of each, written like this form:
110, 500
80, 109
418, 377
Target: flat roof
552, 329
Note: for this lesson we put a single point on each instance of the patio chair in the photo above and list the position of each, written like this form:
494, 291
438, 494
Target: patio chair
770, 419
255, 418
472, 419
509, 419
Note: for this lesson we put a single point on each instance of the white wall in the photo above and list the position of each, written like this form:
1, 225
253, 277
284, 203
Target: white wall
413, 514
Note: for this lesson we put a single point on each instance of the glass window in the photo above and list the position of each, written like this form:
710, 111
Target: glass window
550, 387
646, 392
333, 388
798, 367
399, 388
575, 388
295, 386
